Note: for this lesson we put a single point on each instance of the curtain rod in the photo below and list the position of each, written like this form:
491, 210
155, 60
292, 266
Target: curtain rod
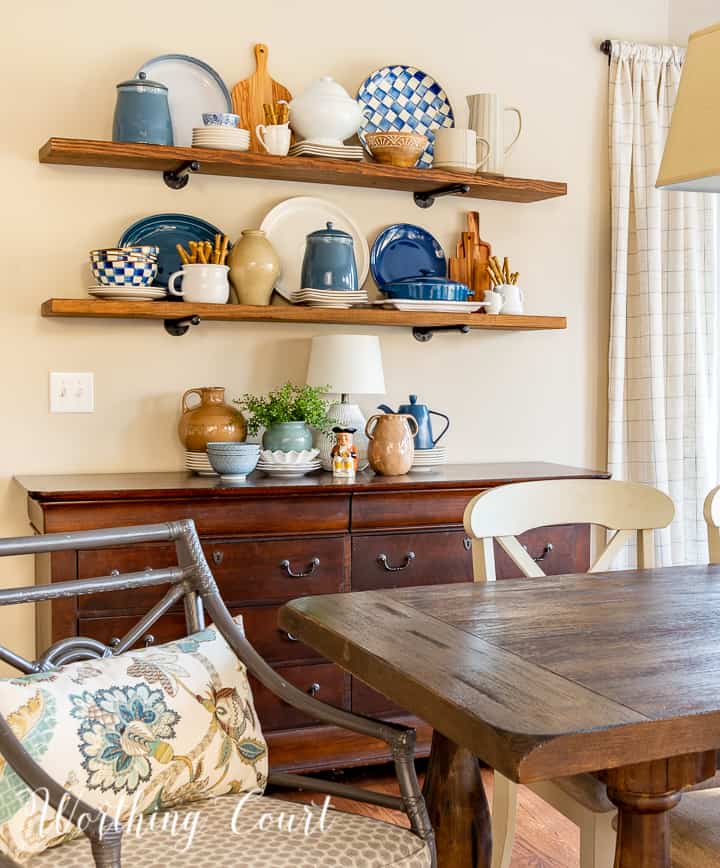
606, 47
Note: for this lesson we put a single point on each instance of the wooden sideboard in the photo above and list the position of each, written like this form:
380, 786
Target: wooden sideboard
269, 541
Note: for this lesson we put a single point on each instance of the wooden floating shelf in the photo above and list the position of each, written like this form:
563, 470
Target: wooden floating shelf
160, 158
174, 311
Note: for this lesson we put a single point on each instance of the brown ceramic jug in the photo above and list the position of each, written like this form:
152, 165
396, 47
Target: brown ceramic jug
391, 449
212, 420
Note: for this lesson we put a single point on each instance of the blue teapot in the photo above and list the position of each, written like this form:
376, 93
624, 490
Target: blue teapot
420, 412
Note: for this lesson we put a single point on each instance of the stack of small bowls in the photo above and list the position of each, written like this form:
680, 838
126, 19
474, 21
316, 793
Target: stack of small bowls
233, 461
221, 131
125, 272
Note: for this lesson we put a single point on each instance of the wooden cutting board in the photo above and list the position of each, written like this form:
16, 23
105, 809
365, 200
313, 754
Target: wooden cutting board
482, 251
249, 95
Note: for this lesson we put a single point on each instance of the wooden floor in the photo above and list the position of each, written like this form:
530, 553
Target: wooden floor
545, 839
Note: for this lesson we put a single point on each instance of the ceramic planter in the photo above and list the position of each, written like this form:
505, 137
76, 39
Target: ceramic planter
288, 436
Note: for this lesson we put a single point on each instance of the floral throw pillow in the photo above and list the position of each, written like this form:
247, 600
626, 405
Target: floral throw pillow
131, 735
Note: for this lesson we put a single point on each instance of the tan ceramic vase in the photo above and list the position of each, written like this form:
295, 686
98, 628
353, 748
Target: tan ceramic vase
254, 267
210, 421
391, 449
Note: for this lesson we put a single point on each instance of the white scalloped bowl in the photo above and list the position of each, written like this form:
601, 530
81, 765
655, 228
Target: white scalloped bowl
307, 456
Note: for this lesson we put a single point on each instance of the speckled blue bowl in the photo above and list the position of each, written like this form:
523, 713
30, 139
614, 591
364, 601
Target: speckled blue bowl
233, 461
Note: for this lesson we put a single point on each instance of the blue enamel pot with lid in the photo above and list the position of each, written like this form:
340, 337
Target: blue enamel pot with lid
427, 289
142, 112
329, 261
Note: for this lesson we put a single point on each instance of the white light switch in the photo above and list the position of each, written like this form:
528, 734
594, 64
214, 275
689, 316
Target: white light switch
72, 393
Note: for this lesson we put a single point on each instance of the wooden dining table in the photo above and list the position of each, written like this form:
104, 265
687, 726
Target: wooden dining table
617, 674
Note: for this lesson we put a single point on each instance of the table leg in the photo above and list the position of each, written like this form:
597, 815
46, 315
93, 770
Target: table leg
458, 806
644, 794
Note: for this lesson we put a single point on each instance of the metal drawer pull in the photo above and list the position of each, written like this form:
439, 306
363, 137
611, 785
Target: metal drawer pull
218, 557
314, 689
312, 566
545, 552
289, 636
115, 573
383, 561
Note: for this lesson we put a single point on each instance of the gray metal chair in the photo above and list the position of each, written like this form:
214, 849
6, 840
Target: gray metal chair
191, 581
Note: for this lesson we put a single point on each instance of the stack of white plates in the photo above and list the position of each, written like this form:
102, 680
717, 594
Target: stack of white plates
329, 298
128, 293
413, 304
288, 465
427, 459
343, 152
198, 462
226, 138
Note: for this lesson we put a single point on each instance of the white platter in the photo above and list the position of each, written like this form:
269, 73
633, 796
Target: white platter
287, 226
410, 304
193, 88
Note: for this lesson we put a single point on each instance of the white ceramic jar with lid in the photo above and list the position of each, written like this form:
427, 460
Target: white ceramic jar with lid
325, 113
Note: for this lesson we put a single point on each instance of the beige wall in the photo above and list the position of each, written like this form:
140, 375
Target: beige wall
511, 397
687, 16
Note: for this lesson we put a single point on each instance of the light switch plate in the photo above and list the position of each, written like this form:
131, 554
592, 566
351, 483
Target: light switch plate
72, 393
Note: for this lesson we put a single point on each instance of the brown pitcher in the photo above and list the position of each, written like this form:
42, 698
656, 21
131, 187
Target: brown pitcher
212, 420
391, 450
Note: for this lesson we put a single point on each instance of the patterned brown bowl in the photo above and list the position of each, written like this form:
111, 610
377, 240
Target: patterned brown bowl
397, 149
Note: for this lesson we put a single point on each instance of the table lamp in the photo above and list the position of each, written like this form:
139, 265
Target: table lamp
691, 160
346, 364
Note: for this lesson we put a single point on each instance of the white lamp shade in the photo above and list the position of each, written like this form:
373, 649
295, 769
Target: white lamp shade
349, 364
692, 152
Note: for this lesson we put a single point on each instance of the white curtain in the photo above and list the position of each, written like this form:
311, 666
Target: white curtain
663, 416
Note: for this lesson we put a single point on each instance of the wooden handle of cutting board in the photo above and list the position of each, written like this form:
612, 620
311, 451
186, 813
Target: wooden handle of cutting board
261, 58
473, 219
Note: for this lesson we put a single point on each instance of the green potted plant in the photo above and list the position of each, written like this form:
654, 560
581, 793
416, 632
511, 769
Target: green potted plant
287, 414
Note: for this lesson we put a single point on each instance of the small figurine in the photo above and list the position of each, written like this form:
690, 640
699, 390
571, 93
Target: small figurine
344, 454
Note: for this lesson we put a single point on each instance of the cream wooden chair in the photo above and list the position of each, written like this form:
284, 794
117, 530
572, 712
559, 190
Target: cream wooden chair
630, 511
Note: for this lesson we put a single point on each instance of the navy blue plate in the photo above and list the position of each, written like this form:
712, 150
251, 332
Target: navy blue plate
165, 231
402, 251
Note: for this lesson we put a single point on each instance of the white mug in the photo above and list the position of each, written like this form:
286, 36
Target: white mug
457, 150
487, 119
493, 301
513, 297
274, 138
202, 283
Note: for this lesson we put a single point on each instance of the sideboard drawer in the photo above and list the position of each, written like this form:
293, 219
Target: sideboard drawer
246, 571
279, 514
324, 680
278, 569
558, 550
367, 701
407, 509
406, 559
260, 624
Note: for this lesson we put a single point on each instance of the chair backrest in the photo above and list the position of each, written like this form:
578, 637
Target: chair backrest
626, 508
712, 518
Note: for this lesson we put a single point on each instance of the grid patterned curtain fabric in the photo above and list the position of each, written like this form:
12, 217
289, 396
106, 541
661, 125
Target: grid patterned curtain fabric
663, 408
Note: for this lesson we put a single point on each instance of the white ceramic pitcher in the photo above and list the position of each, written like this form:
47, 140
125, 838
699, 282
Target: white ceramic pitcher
487, 118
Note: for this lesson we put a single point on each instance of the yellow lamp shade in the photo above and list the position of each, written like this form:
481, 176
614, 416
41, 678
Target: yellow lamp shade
692, 152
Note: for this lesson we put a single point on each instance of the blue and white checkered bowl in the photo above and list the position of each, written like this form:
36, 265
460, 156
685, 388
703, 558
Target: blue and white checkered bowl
119, 273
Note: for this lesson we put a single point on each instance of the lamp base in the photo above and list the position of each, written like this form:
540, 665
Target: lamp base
344, 416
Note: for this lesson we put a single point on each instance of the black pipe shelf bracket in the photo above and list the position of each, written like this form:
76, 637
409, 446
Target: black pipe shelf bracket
179, 327
425, 333
178, 178
427, 199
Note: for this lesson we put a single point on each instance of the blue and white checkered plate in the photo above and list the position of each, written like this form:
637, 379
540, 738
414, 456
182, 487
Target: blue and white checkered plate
404, 99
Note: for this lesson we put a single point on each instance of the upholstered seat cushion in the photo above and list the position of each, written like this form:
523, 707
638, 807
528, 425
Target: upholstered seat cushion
696, 831
262, 836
